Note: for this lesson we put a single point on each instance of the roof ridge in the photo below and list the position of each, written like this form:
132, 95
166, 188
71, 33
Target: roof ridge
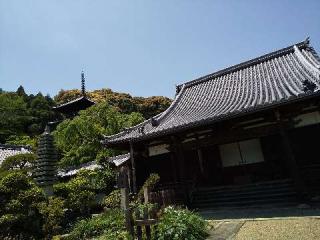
245, 64
14, 147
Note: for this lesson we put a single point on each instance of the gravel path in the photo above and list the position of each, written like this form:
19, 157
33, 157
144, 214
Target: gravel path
282, 229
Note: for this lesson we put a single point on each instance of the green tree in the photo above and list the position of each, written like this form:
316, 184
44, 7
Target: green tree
40, 111
20, 91
24, 115
52, 213
13, 115
80, 191
123, 102
79, 139
18, 206
24, 140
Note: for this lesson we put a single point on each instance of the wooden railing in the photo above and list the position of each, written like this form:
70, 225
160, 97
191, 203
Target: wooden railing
178, 193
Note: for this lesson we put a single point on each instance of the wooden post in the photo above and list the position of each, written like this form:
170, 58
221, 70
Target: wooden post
179, 157
147, 227
134, 183
146, 195
173, 165
200, 158
124, 198
124, 189
290, 159
139, 228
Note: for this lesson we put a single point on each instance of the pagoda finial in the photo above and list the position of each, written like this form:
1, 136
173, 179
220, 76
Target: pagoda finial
47, 129
83, 84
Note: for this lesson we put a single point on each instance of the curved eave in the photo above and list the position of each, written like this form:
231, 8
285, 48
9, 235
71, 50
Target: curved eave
74, 105
211, 121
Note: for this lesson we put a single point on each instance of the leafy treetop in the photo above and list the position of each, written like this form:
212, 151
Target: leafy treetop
123, 102
79, 139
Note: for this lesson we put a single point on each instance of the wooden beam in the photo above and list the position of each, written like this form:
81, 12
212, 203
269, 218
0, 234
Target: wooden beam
200, 158
223, 136
134, 180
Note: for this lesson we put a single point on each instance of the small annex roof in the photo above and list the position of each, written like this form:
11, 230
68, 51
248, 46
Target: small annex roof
71, 171
120, 159
11, 150
75, 105
289, 74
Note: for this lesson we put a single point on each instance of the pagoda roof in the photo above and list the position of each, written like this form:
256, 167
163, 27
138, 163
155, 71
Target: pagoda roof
75, 105
287, 75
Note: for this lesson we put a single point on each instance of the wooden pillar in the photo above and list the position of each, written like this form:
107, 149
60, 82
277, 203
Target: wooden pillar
290, 159
200, 159
130, 185
124, 189
173, 165
134, 180
179, 158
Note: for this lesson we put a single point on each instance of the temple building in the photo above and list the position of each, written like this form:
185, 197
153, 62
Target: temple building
244, 135
71, 109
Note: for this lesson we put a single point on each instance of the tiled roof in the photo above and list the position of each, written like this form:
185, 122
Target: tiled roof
289, 74
120, 159
74, 170
11, 150
71, 171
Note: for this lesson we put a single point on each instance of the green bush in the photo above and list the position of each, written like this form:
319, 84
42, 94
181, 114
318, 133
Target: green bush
150, 183
176, 224
110, 225
81, 190
19, 197
52, 214
113, 200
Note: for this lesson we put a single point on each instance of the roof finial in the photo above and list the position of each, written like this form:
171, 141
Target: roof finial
307, 40
83, 86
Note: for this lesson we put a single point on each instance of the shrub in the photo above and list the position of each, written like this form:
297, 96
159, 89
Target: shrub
52, 213
19, 197
150, 183
113, 200
176, 224
110, 224
81, 190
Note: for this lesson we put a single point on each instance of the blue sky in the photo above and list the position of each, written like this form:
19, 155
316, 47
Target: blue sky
141, 47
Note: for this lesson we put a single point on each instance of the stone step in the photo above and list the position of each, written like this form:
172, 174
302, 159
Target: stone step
256, 202
226, 194
244, 197
274, 192
265, 185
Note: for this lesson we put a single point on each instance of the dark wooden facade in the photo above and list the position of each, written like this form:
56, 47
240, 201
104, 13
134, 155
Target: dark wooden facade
289, 152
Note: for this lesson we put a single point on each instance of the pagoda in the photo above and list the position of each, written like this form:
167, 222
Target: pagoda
71, 108
45, 168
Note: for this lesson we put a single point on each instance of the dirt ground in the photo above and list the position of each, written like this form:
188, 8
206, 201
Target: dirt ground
293, 228
284, 229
